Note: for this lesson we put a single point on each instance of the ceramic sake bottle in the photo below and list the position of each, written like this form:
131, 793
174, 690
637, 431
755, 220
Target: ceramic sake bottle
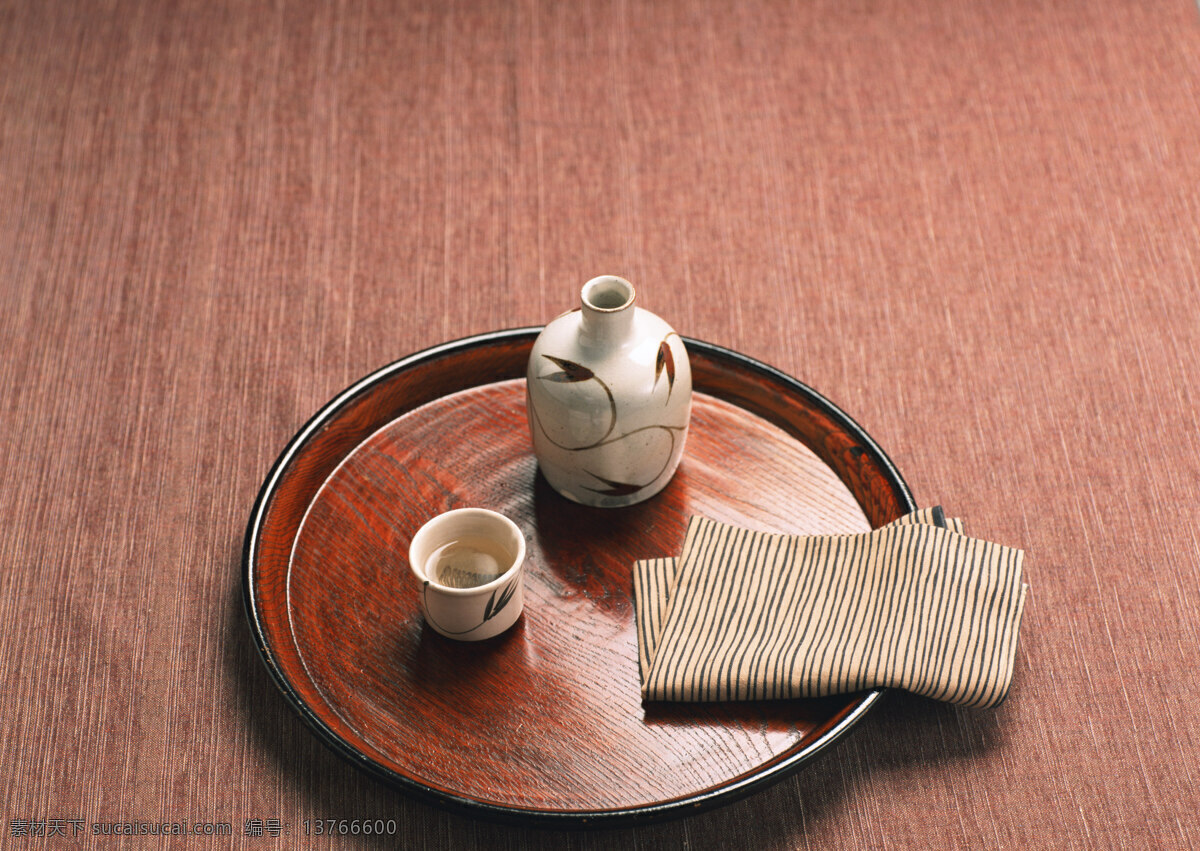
609, 398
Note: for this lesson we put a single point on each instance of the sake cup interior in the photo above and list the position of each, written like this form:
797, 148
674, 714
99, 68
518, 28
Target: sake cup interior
467, 551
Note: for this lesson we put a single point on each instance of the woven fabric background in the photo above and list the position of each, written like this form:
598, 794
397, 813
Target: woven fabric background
971, 225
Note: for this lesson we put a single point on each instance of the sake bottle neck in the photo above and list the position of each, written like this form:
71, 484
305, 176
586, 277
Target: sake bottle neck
607, 303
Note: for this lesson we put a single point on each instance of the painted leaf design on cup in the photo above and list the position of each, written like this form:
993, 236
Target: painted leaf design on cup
494, 606
666, 361
614, 488
571, 371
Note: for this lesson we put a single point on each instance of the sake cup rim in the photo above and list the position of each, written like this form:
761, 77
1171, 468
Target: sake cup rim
429, 527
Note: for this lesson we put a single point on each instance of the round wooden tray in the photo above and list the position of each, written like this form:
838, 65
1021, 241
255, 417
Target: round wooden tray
544, 723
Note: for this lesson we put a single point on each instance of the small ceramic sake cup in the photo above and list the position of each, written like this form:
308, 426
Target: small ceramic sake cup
470, 565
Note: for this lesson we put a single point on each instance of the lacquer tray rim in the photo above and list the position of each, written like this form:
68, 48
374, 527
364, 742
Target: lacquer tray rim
737, 787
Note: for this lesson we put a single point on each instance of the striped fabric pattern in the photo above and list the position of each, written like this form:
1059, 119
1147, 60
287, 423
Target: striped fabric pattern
747, 615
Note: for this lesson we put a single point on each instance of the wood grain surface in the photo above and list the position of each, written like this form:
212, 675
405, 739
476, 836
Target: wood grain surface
549, 716
545, 723
970, 225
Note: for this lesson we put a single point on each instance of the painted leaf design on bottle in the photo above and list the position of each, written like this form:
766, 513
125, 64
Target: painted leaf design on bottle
665, 361
614, 488
571, 371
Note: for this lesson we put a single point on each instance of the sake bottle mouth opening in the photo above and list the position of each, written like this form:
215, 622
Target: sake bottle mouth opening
608, 294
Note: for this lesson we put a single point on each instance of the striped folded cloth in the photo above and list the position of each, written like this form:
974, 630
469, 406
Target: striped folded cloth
745, 615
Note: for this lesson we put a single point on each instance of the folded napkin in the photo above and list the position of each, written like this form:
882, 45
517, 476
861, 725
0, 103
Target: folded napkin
745, 615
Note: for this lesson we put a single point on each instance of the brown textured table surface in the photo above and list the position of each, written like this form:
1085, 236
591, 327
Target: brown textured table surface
971, 225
